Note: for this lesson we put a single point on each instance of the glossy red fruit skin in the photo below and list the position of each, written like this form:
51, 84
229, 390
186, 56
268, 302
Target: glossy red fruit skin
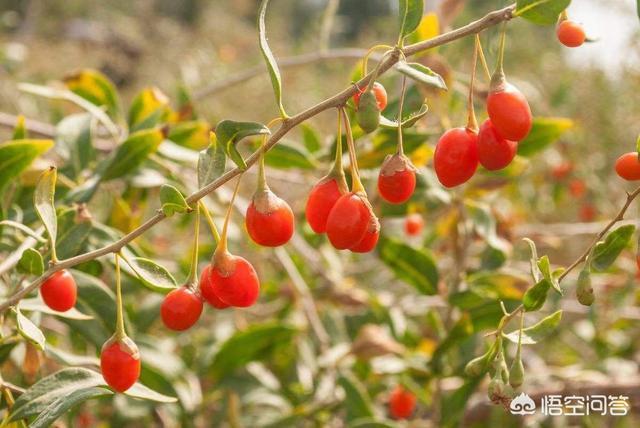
206, 289
370, 238
235, 281
397, 179
402, 403
413, 225
628, 166
322, 198
181, 309
494, 152
570, 34
348, 221
59, 291
120, 363
269, 220
509, 112
456, 157
379, 91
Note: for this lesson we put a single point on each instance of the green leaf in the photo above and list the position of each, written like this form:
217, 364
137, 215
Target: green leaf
545, 268
414, 266
372, 423
310, 138
533, 261
229, 132
132, 152
22, 228
29, 330
172, 201
406, 122
148, 109
544, 132
73, 232
541, 12
138, 390
533, 334
211, 162
357, 402
410, 16
272, 66
74, 140
17, 155
192, 134
37, 305
285, 155
255, 343
152, 275
535, 296
606, 252
43, 200
31, 262
462, 329
20, 130
421, 73
96, 88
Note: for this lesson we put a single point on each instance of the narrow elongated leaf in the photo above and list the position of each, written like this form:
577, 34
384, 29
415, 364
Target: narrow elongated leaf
372, 423
37, 305
607, 252
20, 130
17, 155
535, 296
74, 141
31, 262
29, 330
73, 232
544, 132
535, 270
421, 73
152, 275
255, 343
541, 12
138, 390
148, 109
96, 88
229, 132
545, 268
132, 152
285, 155
533, 334
272, 65
172, 201
414, 266
410, 16
43, 201
211, 162
176, 153
193, 134
22, 228
310, 138
61, 404
406, 122
357, 402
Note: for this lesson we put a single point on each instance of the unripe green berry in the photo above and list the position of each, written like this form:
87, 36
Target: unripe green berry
584, 290
368, 114
516, 374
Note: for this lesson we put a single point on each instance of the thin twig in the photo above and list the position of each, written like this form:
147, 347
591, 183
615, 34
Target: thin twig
337, 100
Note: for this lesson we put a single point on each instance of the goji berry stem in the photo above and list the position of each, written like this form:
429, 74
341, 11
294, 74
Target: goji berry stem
498, 78
222, 244
400, 148
472, 122
262, 177
337, 168
120, 331
207, 216
192, 280
356, 184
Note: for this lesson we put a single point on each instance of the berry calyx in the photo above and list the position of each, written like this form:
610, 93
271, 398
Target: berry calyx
206, 289
370, 238
509, 111
120, 363
413, 224
628, 166
402, 403
59, 291
269, 219
234, 280
397, 179
349, 220
181, 309
321, 200
456, 156
570, 33
494, 151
